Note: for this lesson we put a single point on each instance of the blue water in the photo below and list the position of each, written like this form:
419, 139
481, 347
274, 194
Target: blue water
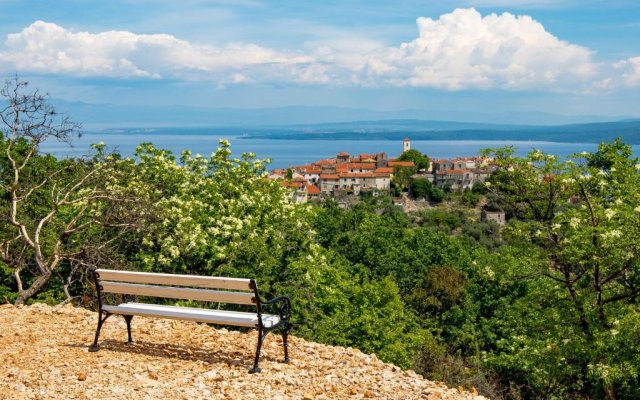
286, 153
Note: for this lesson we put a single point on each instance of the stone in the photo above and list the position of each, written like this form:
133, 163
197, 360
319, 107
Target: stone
44, 354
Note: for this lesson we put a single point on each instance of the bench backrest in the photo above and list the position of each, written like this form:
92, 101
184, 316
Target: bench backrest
185, 287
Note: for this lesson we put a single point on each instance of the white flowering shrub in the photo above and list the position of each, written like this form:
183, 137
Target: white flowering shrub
216, 215
577, 231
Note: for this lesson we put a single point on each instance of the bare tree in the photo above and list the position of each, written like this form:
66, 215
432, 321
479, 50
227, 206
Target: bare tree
51, 205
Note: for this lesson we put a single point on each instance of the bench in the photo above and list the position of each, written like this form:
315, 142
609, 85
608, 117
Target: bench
190, 287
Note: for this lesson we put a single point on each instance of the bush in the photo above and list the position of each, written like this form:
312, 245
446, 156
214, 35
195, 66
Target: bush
469, 198
486, 234
436, 195
438, 218
421, 188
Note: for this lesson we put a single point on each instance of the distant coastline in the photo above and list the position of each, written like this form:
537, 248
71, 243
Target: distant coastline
630, 137
425, 130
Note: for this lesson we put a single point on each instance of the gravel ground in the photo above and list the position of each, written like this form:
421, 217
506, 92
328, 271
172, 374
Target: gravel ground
44, 356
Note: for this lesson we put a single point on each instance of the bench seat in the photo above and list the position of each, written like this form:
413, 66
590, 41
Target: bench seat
222, 317
129, 290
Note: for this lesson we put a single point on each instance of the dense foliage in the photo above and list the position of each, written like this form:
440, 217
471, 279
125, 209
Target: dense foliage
423, 188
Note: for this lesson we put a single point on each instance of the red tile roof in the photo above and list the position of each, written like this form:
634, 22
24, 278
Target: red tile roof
296, 185
361, 166
401, 164
313, 190
326, 161
329, 176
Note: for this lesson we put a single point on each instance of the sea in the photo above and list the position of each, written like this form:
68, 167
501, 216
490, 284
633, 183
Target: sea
286, 152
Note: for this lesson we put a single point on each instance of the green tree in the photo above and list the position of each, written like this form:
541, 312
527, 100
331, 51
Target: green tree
402, 177
469, 198
420, 160
439, 218
421, 188
436, 195
578, 223
62, 214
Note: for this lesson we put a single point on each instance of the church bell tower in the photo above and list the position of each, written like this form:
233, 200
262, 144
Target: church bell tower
406, 144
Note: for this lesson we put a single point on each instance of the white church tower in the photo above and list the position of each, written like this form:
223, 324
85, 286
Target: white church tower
406, 144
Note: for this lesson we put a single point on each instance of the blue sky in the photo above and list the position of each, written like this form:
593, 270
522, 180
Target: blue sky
560, 56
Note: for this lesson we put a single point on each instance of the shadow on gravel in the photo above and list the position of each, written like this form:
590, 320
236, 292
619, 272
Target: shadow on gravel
180, 352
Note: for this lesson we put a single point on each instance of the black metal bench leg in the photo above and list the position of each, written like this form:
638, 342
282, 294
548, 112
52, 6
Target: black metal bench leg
128, 319
285, 342
95, 347
255, 368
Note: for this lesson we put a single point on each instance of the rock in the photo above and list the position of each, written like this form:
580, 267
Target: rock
82, 376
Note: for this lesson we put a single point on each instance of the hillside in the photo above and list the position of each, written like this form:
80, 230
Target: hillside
44, 355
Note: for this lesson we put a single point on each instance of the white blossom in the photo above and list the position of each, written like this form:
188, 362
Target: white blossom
609, 213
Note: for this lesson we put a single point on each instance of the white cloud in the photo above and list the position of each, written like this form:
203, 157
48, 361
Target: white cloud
630, 71
47, 47
459, 50
463, 50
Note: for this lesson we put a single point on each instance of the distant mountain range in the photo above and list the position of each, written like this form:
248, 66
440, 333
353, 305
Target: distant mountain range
628, 130
338, 123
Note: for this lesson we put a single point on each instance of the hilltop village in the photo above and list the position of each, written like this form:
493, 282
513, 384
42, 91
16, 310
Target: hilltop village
374, 174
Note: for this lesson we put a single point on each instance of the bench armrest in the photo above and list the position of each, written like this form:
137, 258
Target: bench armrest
284, 308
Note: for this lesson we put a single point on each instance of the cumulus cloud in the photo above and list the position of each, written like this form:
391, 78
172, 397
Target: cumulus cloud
459, 50
463, 49
629, 70
47, 47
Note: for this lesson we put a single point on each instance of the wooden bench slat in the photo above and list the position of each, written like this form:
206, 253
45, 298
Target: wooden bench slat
178, 292
193, 314
210, 282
